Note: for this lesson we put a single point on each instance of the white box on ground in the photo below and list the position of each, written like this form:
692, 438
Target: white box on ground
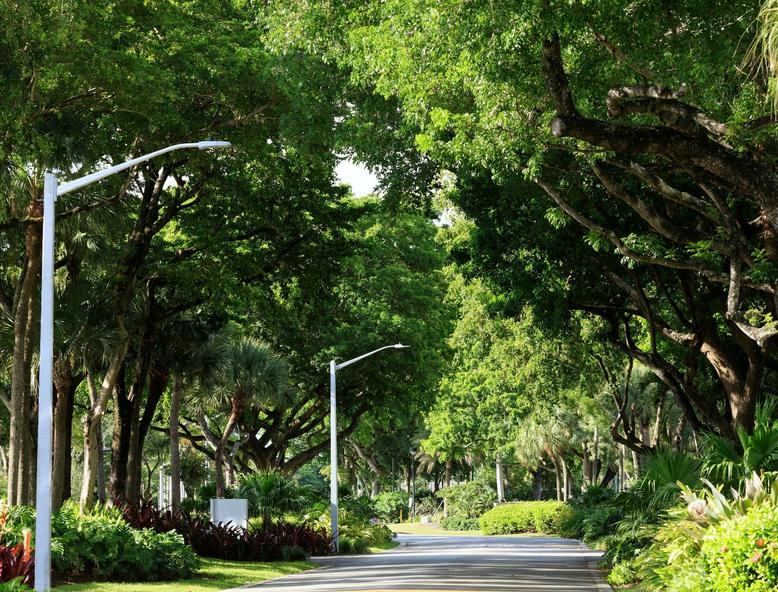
235, 511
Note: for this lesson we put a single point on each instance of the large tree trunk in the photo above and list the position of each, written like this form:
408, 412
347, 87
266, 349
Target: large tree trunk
157, 382
120, 442
175, 452
23, 319
26, 490
93, 435
65, 385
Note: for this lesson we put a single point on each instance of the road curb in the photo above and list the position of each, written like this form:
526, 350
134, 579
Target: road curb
594, 570
599, 581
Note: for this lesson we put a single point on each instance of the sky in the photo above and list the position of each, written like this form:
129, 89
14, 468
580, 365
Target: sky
361, 180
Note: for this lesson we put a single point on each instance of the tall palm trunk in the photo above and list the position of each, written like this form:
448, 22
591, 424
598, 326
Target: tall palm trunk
23, 319
221, 447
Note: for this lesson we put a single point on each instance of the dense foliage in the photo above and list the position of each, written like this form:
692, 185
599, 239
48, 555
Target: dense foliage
576, 233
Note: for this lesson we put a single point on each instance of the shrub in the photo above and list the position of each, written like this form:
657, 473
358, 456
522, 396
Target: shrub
14, 567
101, 545
717, 544
146, 515
623, 573
741, 554
459, 523
390, 504
15, 585
361, 507
360, 534
352, 546
267, 544
227, 541
293, 553
271, 494
427, 506
545, 517
469, 499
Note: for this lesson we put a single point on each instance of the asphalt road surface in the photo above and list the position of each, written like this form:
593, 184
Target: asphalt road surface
448, 564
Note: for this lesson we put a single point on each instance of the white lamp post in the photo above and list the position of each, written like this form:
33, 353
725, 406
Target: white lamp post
334, 367
52, 190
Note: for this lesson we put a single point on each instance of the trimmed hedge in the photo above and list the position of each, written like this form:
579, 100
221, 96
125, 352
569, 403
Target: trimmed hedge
545, 517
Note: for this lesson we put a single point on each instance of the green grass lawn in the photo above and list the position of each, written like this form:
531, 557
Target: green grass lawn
429, 529
215, 574
387, 546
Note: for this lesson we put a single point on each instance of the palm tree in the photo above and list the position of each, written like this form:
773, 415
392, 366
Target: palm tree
271, 494
546, 436
252, 373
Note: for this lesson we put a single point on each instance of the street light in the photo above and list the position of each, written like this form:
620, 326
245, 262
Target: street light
334, 367
52, 190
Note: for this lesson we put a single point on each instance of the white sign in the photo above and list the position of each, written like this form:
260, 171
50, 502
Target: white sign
235, 511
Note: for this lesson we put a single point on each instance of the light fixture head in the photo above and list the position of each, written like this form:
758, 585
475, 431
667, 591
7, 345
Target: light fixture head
208, 144
401, 346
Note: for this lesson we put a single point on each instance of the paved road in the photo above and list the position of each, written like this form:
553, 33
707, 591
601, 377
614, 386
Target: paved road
448, 564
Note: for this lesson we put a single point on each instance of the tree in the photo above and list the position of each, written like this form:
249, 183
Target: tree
650, 203
252, 376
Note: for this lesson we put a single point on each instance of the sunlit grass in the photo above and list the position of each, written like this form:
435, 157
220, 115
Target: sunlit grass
429, 529
387, 546
215, 574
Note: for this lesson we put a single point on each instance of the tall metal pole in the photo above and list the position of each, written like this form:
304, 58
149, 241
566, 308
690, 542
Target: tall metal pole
51, 189
333, 459
412, 492
500, 490
43, 487
334, 367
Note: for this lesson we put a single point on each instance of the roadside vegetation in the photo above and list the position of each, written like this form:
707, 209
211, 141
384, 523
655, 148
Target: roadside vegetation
575, 231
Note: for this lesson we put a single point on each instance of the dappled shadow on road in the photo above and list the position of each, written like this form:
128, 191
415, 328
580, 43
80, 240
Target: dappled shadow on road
486, 578
446, 565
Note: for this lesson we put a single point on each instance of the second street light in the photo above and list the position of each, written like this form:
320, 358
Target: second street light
334, 367
51, 190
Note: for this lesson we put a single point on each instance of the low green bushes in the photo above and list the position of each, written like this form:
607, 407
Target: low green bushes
99, 545
546, 517
459, 523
